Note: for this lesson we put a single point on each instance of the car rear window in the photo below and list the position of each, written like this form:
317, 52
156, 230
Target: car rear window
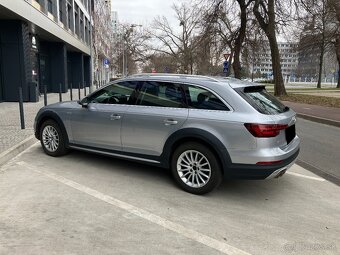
262, 101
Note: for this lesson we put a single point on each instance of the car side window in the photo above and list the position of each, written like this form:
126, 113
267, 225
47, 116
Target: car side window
161, 94
199, 98
116, 93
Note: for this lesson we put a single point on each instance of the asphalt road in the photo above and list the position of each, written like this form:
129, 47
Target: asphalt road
89, 204
320, 147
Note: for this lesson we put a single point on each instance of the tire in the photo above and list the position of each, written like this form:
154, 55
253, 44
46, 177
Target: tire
52, 139
189, 166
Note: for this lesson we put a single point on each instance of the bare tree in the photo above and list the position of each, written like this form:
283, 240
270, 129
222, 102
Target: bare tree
101, 35
265, 14
254, 43
335, 8
243, 4
133, 45
227, 29
182, 43
320, 29
160, 62
231, 23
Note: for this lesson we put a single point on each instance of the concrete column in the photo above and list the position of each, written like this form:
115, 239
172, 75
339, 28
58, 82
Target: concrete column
15, 59
87, 71
75, 69
58, 59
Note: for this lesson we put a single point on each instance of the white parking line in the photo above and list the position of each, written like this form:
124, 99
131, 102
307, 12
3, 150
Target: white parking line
177, 228
307, 177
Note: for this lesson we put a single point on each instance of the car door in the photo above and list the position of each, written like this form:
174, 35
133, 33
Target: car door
99, 123
160, 110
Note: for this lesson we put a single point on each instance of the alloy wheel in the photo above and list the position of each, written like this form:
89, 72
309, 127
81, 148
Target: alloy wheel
193, 168
50, 138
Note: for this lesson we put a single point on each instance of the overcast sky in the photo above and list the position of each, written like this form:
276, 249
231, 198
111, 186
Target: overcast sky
143, 11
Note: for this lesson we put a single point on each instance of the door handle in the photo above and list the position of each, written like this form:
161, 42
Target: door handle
169, 122
115, 117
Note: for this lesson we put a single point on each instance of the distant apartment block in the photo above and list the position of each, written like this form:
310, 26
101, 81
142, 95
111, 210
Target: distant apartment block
289, 59
115, 22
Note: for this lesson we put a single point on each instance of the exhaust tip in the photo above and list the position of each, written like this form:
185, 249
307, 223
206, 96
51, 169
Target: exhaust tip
281, 173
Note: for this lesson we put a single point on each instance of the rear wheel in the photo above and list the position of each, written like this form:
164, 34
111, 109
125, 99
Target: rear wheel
52, 139
195, 168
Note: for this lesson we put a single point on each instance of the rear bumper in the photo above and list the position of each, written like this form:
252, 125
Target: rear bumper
259, 172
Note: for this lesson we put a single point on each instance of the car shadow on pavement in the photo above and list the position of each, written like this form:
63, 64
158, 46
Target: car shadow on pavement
149, 174
117, 165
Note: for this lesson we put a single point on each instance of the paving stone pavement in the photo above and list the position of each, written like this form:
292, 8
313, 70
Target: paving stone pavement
10, 130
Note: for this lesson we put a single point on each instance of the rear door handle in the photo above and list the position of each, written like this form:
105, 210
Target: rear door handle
115, 116
169, 122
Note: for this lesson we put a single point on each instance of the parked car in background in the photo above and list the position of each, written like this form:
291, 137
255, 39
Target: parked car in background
204, 129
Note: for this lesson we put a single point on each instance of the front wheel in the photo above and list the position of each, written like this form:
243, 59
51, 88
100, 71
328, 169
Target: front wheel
195, 168
52, 139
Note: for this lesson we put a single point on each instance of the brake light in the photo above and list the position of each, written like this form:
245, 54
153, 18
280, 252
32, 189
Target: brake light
265, 130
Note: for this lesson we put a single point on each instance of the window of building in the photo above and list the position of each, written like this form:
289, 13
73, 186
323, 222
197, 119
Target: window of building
86, 32
61, 11
49, 6
76, 19
69, 16
81, 28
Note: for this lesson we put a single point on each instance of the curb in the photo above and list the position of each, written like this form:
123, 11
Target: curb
329, 177
319, 119
15, 150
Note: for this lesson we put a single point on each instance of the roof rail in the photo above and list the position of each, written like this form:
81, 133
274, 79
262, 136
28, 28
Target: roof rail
182, 76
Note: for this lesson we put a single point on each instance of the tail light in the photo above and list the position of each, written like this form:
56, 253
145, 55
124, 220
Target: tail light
265, 130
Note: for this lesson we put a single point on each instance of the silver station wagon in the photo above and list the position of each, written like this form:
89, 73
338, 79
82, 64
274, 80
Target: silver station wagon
204, 129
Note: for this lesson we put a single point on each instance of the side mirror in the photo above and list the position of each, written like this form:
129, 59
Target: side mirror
83, 104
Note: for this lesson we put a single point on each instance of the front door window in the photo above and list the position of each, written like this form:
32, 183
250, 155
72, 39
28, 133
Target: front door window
122, 93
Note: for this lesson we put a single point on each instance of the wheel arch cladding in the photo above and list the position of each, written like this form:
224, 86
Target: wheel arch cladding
50, 115
196, 135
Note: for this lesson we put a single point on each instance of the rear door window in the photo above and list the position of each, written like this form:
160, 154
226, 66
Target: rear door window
262, 101
199, 98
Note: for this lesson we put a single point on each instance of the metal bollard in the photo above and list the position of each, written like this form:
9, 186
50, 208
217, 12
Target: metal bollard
60, 95
45, 95
79, 90
21, 109
71, 94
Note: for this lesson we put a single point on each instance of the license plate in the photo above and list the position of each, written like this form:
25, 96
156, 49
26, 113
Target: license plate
290, 133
